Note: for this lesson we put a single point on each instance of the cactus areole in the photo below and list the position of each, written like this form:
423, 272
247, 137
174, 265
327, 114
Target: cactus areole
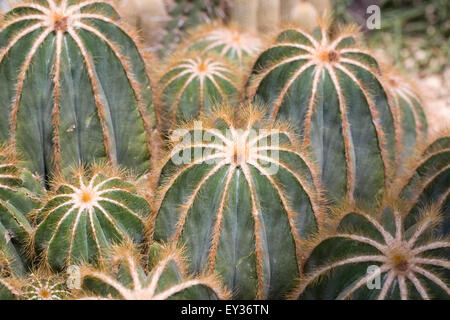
328, 88
241, 200
74, 85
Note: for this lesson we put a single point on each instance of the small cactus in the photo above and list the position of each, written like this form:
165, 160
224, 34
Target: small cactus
241, 195
367, 255
194, 84
73, 79
229, 42
124, 278
328, 88
86, 214
43, 287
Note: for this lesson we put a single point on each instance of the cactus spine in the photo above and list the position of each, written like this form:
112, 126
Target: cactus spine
241, 200
194, 84
228, 41
78, 71
85, 215
328, 88
167, 279
412, 265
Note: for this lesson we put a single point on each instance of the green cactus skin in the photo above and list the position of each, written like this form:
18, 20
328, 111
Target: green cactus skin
124, 278
16, 203
329, 89
411, 126
187, 14
195, 84
235, 215
429, 182
75, 87
84, 216
229, 42
8, 290
413, 264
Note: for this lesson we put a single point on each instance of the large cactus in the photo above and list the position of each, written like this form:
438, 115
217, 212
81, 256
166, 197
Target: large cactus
409, 116
428, 182
228, 41
194, 84
366, 255
240, 196
74, 87
86, 215
124, 278
328, 88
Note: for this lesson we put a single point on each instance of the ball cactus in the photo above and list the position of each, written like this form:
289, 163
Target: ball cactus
78, 71
194, 84
86, 214
428, 182
373, 256
328, 88
44, 287
240, 195
228, 41
409, 116
124, 278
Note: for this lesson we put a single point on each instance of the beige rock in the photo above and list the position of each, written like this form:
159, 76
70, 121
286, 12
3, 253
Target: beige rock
244, 14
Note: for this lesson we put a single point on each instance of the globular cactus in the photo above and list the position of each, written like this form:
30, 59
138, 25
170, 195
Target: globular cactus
229, 42
195, 84
187, 14
16, 204
328, 88
372, 255
124, 278
43, 287
86, 214
73, 80
428, 181
411, 127
240, 195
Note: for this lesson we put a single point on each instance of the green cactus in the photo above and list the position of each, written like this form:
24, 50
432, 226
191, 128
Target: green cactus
43, 287
195, 84
428, 182
8, 283
77, 70
409, 116
85, 215
187, 14
229, 42
240, 199
367, 255
329, 90
124, 278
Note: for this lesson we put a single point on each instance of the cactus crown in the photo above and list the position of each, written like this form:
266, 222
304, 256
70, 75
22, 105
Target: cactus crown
228, 41
41, 287
166, 279
410, 261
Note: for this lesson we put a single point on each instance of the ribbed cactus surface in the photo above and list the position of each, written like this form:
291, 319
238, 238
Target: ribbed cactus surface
328, 87
367, 255
228, 41
124, 278
196, 84
87, 214
429, 182
411, 127
240, 195
73, 80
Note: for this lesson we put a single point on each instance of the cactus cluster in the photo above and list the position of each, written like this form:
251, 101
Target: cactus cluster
225, 171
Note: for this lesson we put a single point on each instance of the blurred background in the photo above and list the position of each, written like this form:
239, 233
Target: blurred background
414, 34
